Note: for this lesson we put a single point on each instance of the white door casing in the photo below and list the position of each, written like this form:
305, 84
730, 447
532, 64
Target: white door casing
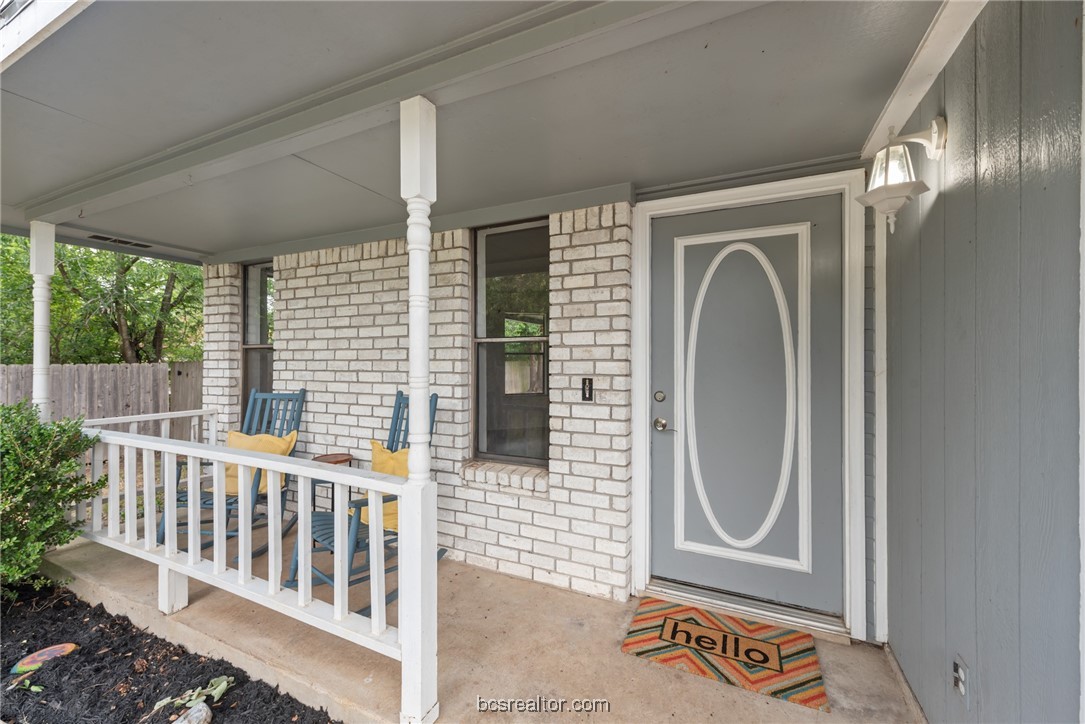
848, 184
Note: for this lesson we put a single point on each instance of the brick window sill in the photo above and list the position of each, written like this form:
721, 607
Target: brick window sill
506, 476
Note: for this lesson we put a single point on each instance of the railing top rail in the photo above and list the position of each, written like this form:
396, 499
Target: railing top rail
149, 417
361, 479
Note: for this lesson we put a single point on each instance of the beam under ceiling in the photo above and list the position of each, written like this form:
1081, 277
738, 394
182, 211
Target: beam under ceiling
948, 28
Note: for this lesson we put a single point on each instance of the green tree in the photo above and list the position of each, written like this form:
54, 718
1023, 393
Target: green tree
107, 307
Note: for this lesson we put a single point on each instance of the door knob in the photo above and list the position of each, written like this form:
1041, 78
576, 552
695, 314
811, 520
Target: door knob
660, 424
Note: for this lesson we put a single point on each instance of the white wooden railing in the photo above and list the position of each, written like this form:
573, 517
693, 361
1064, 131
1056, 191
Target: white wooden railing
125, 517
166, 420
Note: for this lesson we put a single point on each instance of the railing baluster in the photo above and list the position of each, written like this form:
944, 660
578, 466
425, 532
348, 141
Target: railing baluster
218, 495
88, 472
193, 489
377, 581
169, 504
114, 490
164, 432
305, 541
119, 455
96, 464
341, 562
150, 520
274, 531
244, 523
131, 508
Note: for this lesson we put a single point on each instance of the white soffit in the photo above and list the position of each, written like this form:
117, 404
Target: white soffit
371, 100
661, 94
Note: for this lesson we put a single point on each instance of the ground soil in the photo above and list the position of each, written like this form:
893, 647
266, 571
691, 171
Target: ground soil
119, 671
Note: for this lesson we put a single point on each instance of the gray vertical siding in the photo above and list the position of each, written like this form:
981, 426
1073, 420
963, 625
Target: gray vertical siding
869, 410
960, 367
983, 384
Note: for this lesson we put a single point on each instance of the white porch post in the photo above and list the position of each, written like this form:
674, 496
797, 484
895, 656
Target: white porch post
418, 505
42, 255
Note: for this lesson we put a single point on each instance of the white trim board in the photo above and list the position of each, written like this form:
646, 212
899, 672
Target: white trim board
881, 436
850, 184
950, 24
37, 20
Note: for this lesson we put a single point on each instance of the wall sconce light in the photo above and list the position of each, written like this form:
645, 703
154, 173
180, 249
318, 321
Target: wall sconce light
893, 182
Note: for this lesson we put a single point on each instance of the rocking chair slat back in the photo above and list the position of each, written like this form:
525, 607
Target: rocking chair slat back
397, 430
273, 413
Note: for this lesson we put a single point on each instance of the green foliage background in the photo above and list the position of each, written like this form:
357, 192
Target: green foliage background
101, 301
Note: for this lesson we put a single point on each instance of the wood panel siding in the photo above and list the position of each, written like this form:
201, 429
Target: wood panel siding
983, 384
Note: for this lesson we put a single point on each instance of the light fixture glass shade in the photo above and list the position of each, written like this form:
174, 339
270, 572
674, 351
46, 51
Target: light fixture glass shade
892, 165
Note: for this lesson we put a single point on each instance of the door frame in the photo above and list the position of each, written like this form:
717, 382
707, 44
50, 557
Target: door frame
849, 184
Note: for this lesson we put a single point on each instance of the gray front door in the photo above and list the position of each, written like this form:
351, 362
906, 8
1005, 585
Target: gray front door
747, 470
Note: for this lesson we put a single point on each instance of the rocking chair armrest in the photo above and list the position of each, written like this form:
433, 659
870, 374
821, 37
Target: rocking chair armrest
364, 502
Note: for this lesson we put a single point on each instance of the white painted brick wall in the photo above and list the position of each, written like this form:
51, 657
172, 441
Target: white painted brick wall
341, 332
222, 343
574, 532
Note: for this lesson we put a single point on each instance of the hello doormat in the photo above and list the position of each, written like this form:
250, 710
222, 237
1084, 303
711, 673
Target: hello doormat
770, 660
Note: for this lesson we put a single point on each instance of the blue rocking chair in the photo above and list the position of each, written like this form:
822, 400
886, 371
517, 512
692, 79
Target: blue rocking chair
323, 522
267, 413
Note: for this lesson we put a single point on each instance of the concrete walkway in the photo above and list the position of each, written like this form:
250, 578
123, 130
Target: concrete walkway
500, 637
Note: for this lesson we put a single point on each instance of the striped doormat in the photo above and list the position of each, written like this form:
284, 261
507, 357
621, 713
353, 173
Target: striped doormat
770, 660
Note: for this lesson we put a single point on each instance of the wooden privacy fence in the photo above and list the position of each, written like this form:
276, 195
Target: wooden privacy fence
120, 390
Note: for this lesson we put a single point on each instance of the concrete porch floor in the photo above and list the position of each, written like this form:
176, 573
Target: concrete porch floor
499, 637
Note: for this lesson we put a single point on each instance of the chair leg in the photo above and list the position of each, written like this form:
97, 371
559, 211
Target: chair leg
292, 579
392, 595
162, 529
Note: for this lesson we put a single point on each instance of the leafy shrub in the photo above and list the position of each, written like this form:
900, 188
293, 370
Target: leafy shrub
41, 475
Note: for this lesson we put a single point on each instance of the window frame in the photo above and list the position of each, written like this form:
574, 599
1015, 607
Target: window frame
246, 346
478, 306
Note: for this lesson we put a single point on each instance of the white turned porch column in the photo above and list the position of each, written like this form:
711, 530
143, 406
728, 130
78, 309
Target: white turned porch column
418, 505
42, 251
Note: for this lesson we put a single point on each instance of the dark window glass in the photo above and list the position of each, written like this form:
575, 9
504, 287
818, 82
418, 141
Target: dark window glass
258, 333
259, 304
511, 328
258, 370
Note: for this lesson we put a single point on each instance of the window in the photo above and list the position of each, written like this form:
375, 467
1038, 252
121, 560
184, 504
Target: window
259, 327
512, 282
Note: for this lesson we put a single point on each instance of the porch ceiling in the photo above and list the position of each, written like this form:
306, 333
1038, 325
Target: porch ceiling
650, 94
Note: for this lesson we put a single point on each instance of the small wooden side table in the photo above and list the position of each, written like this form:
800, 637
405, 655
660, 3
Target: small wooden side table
338, 458
335, 458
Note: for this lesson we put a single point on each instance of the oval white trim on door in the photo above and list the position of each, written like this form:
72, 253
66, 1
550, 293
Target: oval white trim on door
787, 454
800, 362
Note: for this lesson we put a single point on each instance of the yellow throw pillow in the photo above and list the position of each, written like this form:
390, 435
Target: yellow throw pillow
386, 461
391, 463
256, 443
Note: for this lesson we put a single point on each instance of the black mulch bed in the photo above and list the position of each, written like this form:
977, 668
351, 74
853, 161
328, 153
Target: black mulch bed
119, 671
